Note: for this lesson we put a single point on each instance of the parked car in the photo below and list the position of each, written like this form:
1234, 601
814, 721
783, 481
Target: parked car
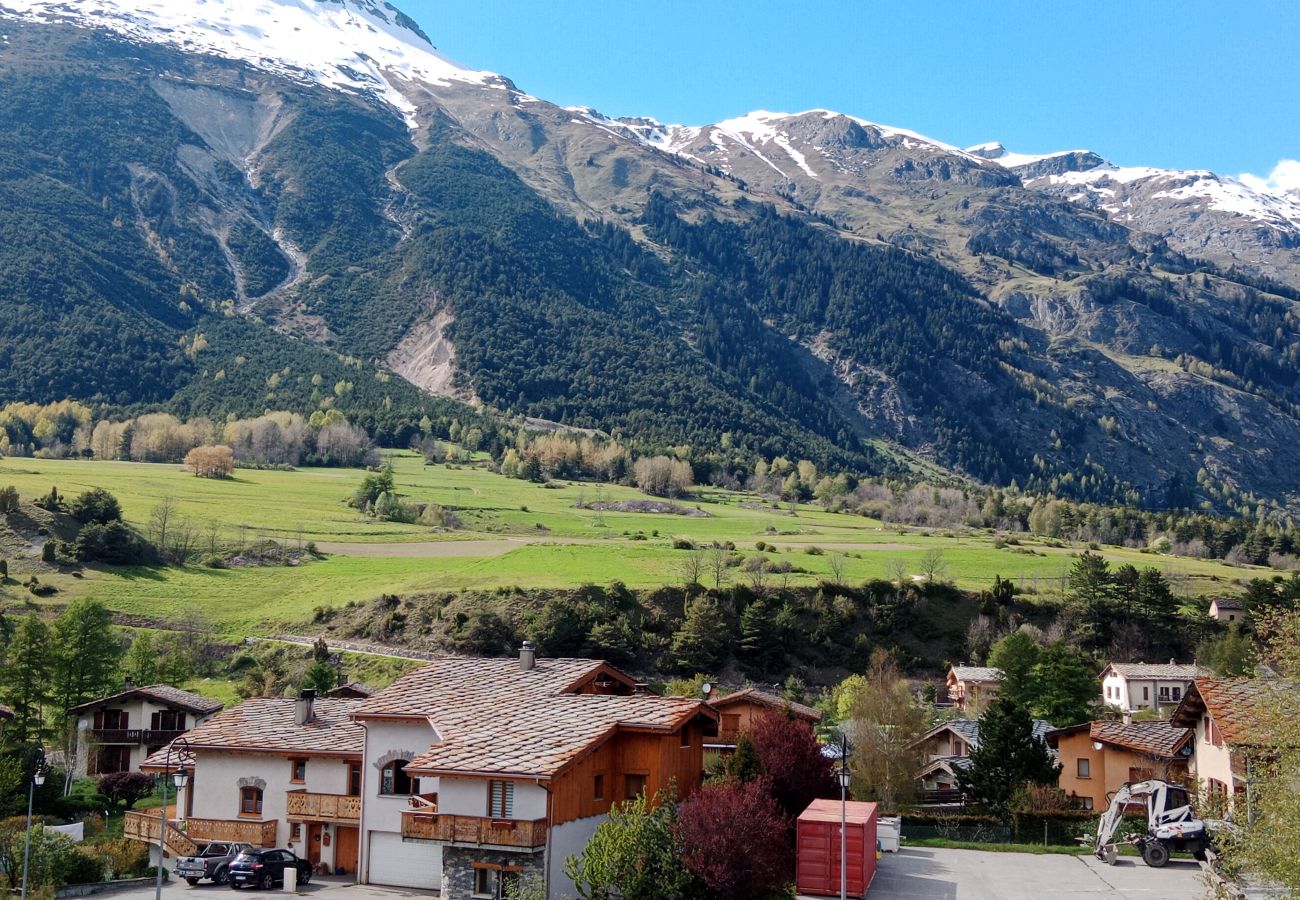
265, 868
212, 861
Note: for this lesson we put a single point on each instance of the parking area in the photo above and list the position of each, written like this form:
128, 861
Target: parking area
318, 889
935, 874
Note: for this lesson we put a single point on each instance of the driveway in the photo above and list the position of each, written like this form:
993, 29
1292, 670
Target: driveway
319, 889
923, 873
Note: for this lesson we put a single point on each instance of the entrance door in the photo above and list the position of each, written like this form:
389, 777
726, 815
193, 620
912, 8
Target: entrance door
313, 844
348, 842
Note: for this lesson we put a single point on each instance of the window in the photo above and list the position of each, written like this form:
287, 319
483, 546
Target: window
1146, 693
731, 723
598, 791
1177, 693
295, 831
501, 799
482, 883
394, 780
492, 881
633, 786
111, 719
297, 770
686, 735
250, 801
1087, 802
167, 720
1085, 768
354, 779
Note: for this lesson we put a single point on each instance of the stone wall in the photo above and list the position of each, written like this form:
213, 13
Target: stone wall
458, 868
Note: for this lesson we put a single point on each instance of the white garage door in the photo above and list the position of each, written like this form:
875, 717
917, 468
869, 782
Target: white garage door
397, 863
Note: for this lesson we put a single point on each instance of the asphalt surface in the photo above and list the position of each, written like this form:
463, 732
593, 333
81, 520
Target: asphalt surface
319, 888
935, 874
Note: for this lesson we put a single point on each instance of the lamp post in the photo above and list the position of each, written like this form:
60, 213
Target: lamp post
180, 750
845, 776
38, 778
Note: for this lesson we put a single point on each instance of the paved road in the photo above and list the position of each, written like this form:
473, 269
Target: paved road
934, 874
318, 889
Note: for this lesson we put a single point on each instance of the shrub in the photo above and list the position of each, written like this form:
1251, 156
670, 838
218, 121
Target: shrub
4, 569
735, 839
96, 505
8, 499
114, 543
125, 787
48, 552
683, 544
124, 858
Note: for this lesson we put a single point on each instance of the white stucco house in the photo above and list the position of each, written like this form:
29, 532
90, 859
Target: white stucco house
1134, 686
116, 733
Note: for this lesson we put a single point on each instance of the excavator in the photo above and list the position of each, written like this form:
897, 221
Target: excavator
1172, 825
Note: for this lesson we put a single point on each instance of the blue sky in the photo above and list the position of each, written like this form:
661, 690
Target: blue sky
1188, 84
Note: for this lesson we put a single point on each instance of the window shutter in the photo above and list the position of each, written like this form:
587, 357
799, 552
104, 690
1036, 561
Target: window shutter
501, 800
155, 721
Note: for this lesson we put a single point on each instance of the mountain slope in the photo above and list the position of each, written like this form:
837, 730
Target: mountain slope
812, 285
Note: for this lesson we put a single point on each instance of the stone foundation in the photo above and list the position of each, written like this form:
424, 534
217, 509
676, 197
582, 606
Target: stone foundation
458, 864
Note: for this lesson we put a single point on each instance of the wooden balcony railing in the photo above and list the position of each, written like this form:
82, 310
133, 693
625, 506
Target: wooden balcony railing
306, 806
146, 736
523, 834
184, 838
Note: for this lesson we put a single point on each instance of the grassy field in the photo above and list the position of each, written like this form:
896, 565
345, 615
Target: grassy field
513, 533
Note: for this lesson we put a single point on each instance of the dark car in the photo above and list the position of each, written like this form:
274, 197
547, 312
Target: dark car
265, 868
212, 861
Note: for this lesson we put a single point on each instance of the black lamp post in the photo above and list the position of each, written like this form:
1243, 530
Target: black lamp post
180, 750
38, 778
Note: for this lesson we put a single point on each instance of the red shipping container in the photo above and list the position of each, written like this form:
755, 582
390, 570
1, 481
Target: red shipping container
817, 848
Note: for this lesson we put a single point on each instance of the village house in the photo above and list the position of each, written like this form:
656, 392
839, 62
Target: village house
1229, 717
1098, 758
116, 733
1134, 686
973, 687
271, 772
945, 750
740, 710
1227, 610
478, 772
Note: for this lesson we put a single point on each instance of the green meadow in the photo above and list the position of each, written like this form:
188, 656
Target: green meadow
513, 533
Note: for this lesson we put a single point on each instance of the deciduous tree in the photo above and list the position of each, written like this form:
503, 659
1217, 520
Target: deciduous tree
735, 839
792, 760
635, 854
885, 724
25, 679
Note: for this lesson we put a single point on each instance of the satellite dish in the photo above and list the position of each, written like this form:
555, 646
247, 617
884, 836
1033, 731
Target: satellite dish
706, 689
1187, 750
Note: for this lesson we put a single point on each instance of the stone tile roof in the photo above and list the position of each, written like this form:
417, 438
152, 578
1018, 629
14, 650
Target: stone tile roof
159, 693
268, 725
493, 718
6, 712
1159, 739
1228, 603
1240, 707
762, 698
977, 673
1170, 671
969, 729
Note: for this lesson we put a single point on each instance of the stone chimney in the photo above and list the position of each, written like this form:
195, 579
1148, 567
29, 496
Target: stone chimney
304, 708
1128, 717
527, 657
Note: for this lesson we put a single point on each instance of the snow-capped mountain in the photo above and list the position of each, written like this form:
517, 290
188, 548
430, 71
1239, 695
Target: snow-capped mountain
366, 46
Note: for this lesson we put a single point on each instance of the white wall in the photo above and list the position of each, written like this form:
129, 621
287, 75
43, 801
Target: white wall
469, 797
564, 841
1210, 761
139, 714
384, 813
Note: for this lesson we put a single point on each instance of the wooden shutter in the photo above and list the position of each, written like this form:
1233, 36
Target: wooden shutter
501, 799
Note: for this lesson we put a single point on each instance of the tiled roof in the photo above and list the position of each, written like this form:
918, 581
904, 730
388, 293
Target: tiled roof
1240, 707
159, 693
351, 690
492, 717
762, 698
1159, 739
1228, 603
969, 729
977, 673
6, 712
1171, 671
268, 725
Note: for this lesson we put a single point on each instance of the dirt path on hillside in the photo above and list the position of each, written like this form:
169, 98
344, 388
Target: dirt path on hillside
425, 549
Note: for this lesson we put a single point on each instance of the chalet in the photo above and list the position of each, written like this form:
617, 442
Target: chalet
1134, 686
1097, 758
116, 733
273, 772
945, 750
477, 772
741, 709
1227, 610
1230, 720
973, 687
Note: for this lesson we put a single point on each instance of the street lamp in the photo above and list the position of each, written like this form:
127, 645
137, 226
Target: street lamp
845, 777
180, 750
38, 778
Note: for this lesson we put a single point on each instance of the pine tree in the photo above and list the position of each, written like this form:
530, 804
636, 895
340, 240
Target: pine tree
1066, 685
1016, 655
25, 679
320, 677
699, 644
760, 641
141, 662
86, 653
1092, 592
743, 764
1008, 757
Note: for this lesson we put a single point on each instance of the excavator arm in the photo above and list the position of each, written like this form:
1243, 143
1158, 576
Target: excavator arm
1114, 814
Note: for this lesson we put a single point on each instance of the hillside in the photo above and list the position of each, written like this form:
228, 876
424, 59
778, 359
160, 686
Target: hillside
813, 285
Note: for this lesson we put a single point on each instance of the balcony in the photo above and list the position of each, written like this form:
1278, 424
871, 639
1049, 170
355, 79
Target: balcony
146, 736
183, 837
473, 831
308, 807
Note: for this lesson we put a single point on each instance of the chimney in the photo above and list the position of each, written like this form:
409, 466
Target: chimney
304, 707
527, 657
1128, 717
130, 682
1173, 662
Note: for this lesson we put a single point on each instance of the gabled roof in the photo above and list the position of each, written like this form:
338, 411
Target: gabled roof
969, 731
1240, 707
269, 725
1227, 603
976, 673
491, 717
164, 694
762, 698
1158, 739
351, 690
6, 712
1171, 671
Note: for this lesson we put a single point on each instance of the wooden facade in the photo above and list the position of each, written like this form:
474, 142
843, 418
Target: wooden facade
307, 806
479, 831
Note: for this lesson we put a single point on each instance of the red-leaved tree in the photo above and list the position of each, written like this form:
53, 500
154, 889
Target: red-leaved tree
792, 760
736, 839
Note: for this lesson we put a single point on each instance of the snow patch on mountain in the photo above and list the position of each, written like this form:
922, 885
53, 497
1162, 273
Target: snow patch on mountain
364, 46
995, 152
